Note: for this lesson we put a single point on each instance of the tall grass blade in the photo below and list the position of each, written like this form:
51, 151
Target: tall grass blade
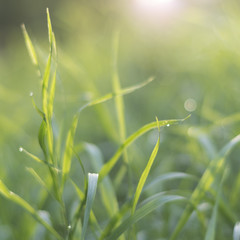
107, 167
21, 202
92, 187
148, 206
30, 48
145, 173
52, 95
39, 180
107, 191
50, 33
215, 168
211, 230
67, 157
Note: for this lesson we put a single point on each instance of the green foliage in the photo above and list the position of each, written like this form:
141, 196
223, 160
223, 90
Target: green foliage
88, 120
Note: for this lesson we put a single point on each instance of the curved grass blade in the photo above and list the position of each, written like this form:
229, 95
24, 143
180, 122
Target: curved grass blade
211, 230
215, 168
67, 157
115, 220
170, 176
21, 202
148, 206
120, 93
37, 159
30, 48
50, 33
111, 163
92, 187
41, 138
145, 173
39, 180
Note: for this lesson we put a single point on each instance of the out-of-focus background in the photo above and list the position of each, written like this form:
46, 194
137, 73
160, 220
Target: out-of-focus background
192, 48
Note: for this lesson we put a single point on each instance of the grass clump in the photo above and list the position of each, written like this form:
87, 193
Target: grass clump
88, 203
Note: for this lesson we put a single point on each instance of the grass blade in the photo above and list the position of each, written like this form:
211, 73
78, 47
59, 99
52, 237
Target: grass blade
148, 206
211, 230
145, 173
215, 168
67, 158
39, 180
107, 191
30, 48
120, 93
92, 187
50, 33
111, 163
21, 202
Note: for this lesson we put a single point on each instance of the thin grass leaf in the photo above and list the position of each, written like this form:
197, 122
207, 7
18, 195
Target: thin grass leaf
82, 198
111, 95
21, 202
52, 95
170, 176
92, 187
41, 138
30, 48
50, 33
215, 168
211, 230
107, 167
145, 173
236, 231
107, 191
39, 180
36, 107
37, 159
148, 206
115, 220
45, 83
67, 157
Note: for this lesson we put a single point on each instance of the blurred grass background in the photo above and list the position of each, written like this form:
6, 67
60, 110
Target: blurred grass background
190, 47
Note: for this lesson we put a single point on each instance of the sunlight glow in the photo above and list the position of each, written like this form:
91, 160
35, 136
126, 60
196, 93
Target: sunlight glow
156, 8
155, 5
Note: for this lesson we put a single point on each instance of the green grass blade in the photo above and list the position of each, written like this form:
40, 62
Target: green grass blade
67, 157
111, 163
215, 168
37, 159
170, 176
107, 191
41, 138
39, 180
92, 187
236, 231
50, 33
111, 95
21, 202
45, 83
211, 230
30, 48
52, 95
115, 220
148, 206
145, 174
